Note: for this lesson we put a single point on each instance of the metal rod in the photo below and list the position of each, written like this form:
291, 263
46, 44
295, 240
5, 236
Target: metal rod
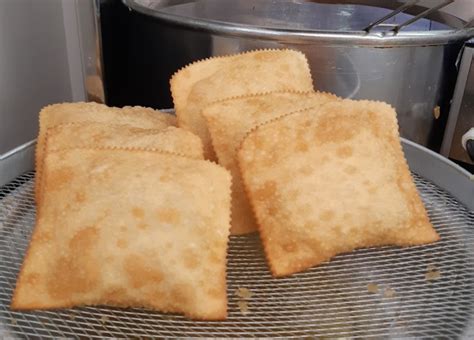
469, 23
422, 15
400, 9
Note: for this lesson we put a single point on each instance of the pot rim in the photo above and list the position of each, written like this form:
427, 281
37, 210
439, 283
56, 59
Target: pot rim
301, 36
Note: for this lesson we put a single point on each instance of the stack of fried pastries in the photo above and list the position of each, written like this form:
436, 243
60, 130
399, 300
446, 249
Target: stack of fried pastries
121, 220
315, 174
129, 212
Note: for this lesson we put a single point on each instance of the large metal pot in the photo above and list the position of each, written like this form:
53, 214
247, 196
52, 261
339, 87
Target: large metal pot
413, 69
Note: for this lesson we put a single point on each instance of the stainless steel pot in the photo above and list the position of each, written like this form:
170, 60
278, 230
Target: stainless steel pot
408, 59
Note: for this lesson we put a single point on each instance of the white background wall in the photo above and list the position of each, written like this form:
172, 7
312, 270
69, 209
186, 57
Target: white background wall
34, 64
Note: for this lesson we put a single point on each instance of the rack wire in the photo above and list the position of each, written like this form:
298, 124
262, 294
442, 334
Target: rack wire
425, 291
435, 6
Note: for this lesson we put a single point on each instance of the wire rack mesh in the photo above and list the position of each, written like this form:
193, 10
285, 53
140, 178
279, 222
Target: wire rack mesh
425, 292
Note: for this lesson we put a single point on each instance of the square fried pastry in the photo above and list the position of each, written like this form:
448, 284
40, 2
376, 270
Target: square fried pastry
129, 228
205, 81
92, 134
329, 180
56, 114
231, 119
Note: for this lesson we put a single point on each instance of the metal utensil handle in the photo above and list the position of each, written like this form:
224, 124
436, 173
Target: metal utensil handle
469, 23
400, 9
404, 7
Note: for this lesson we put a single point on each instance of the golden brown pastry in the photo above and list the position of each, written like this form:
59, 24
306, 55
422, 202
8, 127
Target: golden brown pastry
56, 114
231, 119
129, 228
206, 81
329, 180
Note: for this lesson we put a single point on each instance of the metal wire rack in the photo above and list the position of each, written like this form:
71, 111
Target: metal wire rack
370, 293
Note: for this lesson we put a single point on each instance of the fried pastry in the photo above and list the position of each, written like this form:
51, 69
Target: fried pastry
92, 134
56, 114
329, 180
229, 121
129, 228
205, 81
